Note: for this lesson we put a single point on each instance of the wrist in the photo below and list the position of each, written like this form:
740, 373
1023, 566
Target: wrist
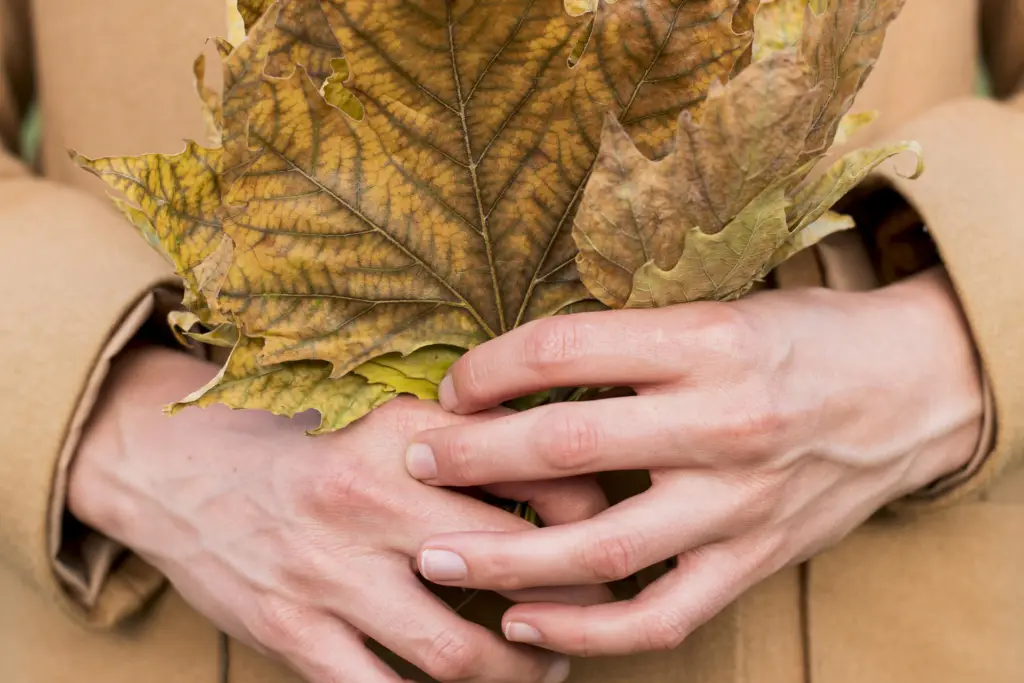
140, 383
951, 387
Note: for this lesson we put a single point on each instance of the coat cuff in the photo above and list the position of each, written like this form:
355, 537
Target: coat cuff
968, 199
79, 284
99, 574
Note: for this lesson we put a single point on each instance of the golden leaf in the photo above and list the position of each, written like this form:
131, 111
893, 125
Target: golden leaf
182, 323
337, 94
210, 99
175, 201
287, 389
442, 216
281, 35
142, 223
291, 388
250, 11
418, 374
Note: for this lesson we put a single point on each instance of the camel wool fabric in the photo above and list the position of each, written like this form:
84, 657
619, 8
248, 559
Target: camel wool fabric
935, 594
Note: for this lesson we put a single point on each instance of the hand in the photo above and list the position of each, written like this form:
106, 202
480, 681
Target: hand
771, 426
301, 547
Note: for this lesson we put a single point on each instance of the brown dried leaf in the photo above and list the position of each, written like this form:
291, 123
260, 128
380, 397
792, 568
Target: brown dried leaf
637, 211
720, 266
778, 26
841, 45
645, 228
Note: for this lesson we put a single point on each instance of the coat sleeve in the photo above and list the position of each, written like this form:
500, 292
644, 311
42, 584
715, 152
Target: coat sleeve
77, 284
969, 201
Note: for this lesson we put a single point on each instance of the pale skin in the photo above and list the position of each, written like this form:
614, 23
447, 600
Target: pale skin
302, 547
771, 427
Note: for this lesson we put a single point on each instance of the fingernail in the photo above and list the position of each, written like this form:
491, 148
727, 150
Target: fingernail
446, 394
442, 565
419, 460
559, 670
519, 632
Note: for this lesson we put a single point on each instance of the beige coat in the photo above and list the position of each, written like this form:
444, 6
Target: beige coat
936, 596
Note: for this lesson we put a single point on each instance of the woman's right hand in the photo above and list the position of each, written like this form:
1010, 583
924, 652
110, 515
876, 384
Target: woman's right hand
300, 547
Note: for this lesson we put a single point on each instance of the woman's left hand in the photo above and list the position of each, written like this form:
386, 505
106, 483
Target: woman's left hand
772, 426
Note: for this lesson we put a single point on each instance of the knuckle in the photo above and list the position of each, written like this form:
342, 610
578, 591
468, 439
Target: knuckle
455, 459
339, 489
664, 631
729, 333
450, 657
758, 501
566, 441
610, 558
333, 489
276, 625
552, 342
301, 570
472, 378
759, 424
506, 580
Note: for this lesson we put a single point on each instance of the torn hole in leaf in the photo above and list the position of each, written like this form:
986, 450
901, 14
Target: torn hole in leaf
337, 94
581, 44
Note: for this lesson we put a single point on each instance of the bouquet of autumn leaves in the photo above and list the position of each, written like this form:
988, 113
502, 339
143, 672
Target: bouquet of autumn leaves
392, 182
